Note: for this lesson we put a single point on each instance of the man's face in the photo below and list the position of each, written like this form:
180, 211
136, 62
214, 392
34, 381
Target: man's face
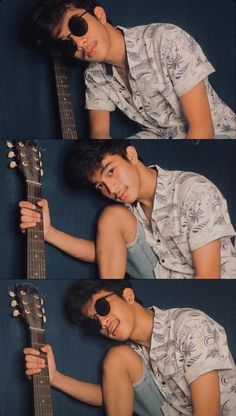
119, 323
118, 179
94, 46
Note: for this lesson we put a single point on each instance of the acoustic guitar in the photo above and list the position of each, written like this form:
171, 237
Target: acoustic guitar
29, 303
28, 159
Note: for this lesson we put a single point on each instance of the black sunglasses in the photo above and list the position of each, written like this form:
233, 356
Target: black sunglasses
78, 27
102, 308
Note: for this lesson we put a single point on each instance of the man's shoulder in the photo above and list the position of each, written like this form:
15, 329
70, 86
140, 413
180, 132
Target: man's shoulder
180, 319
151, 31
95, 70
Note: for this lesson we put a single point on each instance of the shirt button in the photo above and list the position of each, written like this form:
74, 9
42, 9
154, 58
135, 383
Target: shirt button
163, 261
158, 240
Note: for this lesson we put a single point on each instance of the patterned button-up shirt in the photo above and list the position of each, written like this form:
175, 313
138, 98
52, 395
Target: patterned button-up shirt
185, 344
164, 63
188, 213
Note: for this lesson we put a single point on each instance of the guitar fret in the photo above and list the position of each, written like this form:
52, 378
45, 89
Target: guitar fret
41, 382
36, 267
68, 125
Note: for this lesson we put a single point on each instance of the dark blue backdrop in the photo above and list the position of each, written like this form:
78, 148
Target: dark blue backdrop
27, 96
77, 212
81, 356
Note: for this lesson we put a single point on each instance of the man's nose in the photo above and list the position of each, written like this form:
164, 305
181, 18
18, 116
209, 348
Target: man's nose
111, 186
80, 41
103, 320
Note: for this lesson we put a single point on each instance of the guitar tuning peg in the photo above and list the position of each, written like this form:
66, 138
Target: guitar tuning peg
43, 310
16, 313
41, 172
14, 303
11, 154
21, 144
39, 155
40, 163
44, 319
41, 301
10, 145
11, 293
13, 164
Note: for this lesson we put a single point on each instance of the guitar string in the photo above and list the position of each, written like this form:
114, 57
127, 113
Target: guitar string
64, 101
35, 241
65, 106
42, 394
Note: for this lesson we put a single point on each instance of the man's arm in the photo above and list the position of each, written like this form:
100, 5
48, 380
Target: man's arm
76, 247
99, 122
205, 394
207, 261
86, 392
197, 113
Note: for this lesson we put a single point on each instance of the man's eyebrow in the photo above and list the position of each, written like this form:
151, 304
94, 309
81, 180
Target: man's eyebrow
104, 167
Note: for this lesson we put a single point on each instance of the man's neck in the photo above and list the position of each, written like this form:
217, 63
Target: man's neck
148, 178
117, 53
142, 333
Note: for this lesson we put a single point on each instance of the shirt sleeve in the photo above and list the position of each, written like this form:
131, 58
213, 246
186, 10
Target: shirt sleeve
202, 345
97, 90
203, 212
184, 60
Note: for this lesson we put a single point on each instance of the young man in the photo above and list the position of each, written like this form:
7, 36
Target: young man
177, 362
176, 226
156, 74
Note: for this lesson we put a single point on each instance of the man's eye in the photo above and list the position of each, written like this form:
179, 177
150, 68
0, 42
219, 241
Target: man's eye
110, 172
99, 187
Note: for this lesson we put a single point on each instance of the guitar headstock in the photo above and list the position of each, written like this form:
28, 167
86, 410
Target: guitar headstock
27, 157
28, 303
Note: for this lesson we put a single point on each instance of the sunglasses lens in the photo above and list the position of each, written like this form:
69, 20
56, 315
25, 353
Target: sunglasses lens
92, 326
78, 26
67, 48
102, 307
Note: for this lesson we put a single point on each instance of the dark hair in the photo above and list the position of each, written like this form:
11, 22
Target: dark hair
47, 15
82, 292
86, 157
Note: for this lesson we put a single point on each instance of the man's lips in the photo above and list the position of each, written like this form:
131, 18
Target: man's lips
122, 195
112, 327
90, 49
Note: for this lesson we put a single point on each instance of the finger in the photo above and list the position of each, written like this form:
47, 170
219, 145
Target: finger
30, 373
34, 365
24, 226
34, 359
43, 203
26, 204
28, 213
46, 348
31, 351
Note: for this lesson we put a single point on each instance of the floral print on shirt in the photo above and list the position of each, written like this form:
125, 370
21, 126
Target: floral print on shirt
164, 63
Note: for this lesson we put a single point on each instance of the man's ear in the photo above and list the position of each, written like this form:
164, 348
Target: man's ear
132, 154
100, 14
128, 295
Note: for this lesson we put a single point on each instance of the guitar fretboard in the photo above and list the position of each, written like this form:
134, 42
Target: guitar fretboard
36, 268
41, 382
68, 125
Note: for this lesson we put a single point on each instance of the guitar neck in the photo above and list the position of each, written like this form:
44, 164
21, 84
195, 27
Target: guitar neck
41, 382
68, 125
36, 268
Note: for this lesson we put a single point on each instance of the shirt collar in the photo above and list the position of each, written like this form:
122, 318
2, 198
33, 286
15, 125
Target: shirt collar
133, 45
160, 196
